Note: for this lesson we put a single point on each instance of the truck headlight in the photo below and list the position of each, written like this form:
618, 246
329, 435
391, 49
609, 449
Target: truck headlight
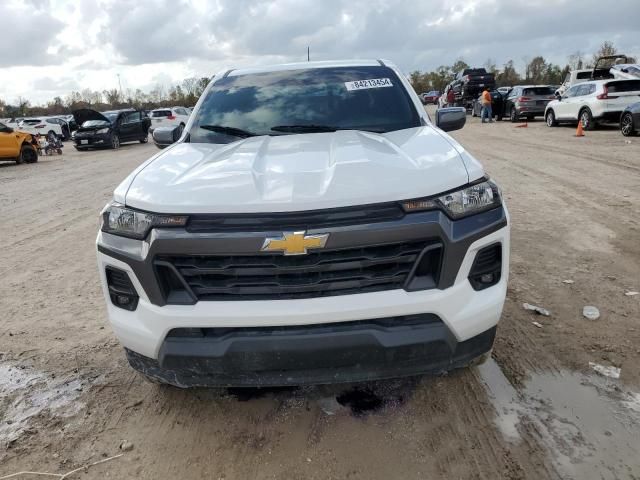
460, 203
102, 131
126, 222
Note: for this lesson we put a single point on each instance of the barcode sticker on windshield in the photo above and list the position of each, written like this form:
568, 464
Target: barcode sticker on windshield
372, 83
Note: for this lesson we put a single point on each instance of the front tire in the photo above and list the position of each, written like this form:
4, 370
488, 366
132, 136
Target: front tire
115, 141
586, 118
550, 118
28, 154
144, 140
513, 115
626, 125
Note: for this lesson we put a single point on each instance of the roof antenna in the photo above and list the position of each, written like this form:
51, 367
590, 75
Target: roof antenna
308, 57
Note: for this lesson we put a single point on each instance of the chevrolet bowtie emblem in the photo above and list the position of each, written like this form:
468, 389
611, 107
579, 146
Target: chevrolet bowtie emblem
294, 243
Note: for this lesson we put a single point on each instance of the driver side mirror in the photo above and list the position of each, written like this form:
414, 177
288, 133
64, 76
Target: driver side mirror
452, 118
165, 136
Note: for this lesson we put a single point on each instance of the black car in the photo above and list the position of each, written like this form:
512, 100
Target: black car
109, 129
630, 120
497, 105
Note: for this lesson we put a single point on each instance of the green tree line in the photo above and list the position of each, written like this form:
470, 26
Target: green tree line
185, 94
537, 70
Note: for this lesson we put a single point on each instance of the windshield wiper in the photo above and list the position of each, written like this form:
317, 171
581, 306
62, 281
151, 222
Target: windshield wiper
318, 128
236, 132
304, 128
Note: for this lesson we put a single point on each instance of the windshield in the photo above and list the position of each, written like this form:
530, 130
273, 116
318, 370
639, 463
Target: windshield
542, 91
110, 115
161, 113
358, 98
94, 123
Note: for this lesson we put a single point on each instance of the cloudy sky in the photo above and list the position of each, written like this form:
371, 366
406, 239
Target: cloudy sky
52, 47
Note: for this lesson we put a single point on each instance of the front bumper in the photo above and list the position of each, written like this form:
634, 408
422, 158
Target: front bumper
462, 312
329, 353
92, 141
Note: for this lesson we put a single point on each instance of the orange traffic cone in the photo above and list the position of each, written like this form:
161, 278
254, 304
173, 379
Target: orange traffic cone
579, 131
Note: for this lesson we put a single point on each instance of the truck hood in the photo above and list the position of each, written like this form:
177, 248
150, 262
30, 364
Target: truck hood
297, 172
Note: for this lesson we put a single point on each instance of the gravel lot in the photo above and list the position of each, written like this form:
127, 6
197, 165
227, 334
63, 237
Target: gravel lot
537, 410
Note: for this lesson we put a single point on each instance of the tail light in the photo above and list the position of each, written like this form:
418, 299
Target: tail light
171, 117
524, 99
605, 94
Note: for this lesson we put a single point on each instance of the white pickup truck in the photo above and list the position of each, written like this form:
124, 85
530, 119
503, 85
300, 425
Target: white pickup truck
311, 225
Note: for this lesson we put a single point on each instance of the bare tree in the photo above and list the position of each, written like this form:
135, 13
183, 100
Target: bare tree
576, 60
490, 66
606, 49
23, 105
112, 97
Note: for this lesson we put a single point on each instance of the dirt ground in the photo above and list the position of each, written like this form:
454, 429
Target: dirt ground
537, 410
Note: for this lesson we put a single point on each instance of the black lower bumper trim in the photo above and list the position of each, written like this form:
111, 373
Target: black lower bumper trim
318, 354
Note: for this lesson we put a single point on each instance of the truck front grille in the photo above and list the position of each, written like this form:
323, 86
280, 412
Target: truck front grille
274, 276
306, 220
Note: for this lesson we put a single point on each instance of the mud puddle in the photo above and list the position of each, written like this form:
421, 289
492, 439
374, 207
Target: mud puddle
26, 394
357, 399
589, 424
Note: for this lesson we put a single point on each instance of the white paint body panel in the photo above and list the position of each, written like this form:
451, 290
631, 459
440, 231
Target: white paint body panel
299, 172
465, 311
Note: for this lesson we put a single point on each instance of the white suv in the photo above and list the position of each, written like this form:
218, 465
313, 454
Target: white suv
311, 225
42, 126
592, 102
169, 117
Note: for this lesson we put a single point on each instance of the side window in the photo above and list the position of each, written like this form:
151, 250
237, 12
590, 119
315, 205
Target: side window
583, 90
515, 92
182, 111
572, 91
592, 89
131, 117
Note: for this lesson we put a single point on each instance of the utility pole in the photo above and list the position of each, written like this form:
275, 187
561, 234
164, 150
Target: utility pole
120, 85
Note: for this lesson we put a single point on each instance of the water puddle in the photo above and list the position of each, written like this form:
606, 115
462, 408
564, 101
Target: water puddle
589, 424
25, 394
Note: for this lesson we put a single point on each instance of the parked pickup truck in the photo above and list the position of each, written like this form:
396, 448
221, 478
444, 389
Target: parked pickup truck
469, 83
311, 225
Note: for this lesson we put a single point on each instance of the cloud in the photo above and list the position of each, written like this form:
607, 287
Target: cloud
49, 84
27, 34
163, 41
166, 32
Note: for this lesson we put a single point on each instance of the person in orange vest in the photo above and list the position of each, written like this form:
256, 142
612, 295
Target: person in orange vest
486, 112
